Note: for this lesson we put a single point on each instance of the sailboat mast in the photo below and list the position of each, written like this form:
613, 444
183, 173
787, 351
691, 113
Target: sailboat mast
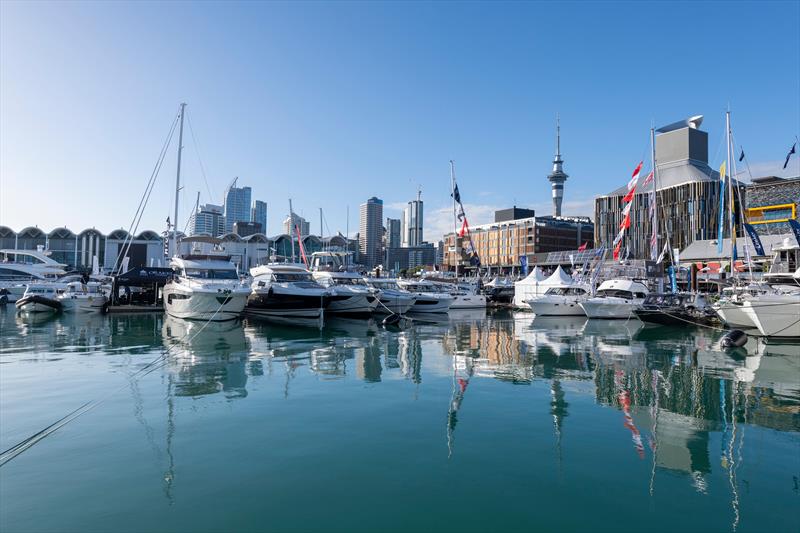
654, 249
291, 227
731, 210
455, 216
174, 236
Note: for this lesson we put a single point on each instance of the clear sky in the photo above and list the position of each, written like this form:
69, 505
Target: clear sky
331, 103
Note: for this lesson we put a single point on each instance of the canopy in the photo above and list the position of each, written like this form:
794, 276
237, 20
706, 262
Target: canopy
559, 277
536, 276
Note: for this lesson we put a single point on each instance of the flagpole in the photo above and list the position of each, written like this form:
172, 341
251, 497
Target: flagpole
455, 219
731, 209
654, 216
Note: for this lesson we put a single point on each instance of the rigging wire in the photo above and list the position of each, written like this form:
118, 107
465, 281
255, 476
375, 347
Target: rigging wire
156, 364
143, 201
199, 160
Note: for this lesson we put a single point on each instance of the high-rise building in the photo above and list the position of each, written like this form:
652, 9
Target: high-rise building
245, 229
370, 232
237, 205
207, 219
412, 223
258, 213
296, 220
558, 176
392, 233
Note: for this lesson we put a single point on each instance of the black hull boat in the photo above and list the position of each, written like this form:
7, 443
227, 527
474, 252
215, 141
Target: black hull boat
272, 304
676, 310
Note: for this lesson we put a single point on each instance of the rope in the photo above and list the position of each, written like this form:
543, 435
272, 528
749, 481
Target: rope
15, 450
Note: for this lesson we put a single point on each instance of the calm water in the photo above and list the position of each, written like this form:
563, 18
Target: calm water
471, 423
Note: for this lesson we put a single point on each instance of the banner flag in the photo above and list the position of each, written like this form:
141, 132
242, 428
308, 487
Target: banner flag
795, 226
721, 217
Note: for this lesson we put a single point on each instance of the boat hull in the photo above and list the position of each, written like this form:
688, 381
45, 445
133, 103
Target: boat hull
775, 318
546, 306
201, 305
424, 305
89, 304
734, 315
274, 304
352, 304
609, 308
38, 304
469, 301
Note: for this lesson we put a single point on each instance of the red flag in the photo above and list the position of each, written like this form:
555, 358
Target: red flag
616, 250
629, 197
626, 222
648, 179
583, 246
635, 177
464, 228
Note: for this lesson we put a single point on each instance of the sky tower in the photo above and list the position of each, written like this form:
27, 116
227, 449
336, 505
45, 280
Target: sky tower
558, 176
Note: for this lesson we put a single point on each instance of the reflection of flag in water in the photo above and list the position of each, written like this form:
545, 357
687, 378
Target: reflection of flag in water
460, 384
625, 402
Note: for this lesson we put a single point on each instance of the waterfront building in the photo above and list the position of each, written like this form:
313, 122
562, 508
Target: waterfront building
77, 250
412, 223
258, 213
557, 177
370, 232
771, 202
393, 239
237, 205
687, 196
296, 220
397, 259
244, 229
500, 244
208, 219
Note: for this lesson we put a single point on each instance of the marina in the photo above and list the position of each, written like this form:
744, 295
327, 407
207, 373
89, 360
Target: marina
242, 425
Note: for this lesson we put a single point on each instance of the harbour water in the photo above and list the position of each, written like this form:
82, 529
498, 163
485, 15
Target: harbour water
471, 422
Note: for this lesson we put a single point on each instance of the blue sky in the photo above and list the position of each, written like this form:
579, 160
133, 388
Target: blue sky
331, 103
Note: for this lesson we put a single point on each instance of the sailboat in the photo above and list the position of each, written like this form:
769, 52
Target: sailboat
204, 286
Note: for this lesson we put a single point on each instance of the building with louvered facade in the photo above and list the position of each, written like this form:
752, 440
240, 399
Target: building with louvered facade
687, 196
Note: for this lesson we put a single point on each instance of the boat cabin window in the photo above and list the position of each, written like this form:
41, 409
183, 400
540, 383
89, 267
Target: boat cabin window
209, 273
617, 293
349, 281
11, 273
290, 277
566, 291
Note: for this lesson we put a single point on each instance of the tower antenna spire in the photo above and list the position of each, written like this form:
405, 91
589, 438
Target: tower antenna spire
558, 176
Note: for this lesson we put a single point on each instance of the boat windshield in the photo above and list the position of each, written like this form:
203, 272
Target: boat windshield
350, 281
615, 293
284, 277
388, 285
566, 291
210, 273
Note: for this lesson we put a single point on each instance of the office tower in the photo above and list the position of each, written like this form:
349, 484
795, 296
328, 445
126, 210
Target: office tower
207, 219
392, 233
370, 232
296, 220
237, 205
258, 214
412, 223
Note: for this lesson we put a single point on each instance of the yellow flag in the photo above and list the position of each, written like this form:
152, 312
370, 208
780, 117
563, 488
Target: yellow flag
722, 171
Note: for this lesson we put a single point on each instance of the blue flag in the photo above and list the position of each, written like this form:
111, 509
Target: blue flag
751, 231
523, 262
795, 229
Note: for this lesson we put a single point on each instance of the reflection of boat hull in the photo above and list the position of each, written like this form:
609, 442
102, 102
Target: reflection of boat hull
609, 307
210, 305
38, 304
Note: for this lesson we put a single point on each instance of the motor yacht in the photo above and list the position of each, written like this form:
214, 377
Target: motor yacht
20, 267
465, 296
392, 298
83, 297
205, 287
560, 301
335, 272
776, 314
429, 297
287, 290
730, 307
615, 298
680, 309
39, 298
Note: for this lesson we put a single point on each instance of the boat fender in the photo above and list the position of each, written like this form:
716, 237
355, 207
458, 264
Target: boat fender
735, 338
391, 320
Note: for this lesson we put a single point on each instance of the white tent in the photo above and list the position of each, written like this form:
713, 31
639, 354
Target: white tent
527, 288
536, 285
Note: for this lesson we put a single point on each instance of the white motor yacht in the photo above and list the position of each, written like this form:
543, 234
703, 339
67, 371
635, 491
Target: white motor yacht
730, 307
429, 297
80, 296
776, 314
465, 296
392, 298
335, 272
39, 298
205, 287
20, 267
560, 301
287, 290
615, 298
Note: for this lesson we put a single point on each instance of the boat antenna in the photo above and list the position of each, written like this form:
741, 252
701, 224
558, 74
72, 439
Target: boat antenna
174, 235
